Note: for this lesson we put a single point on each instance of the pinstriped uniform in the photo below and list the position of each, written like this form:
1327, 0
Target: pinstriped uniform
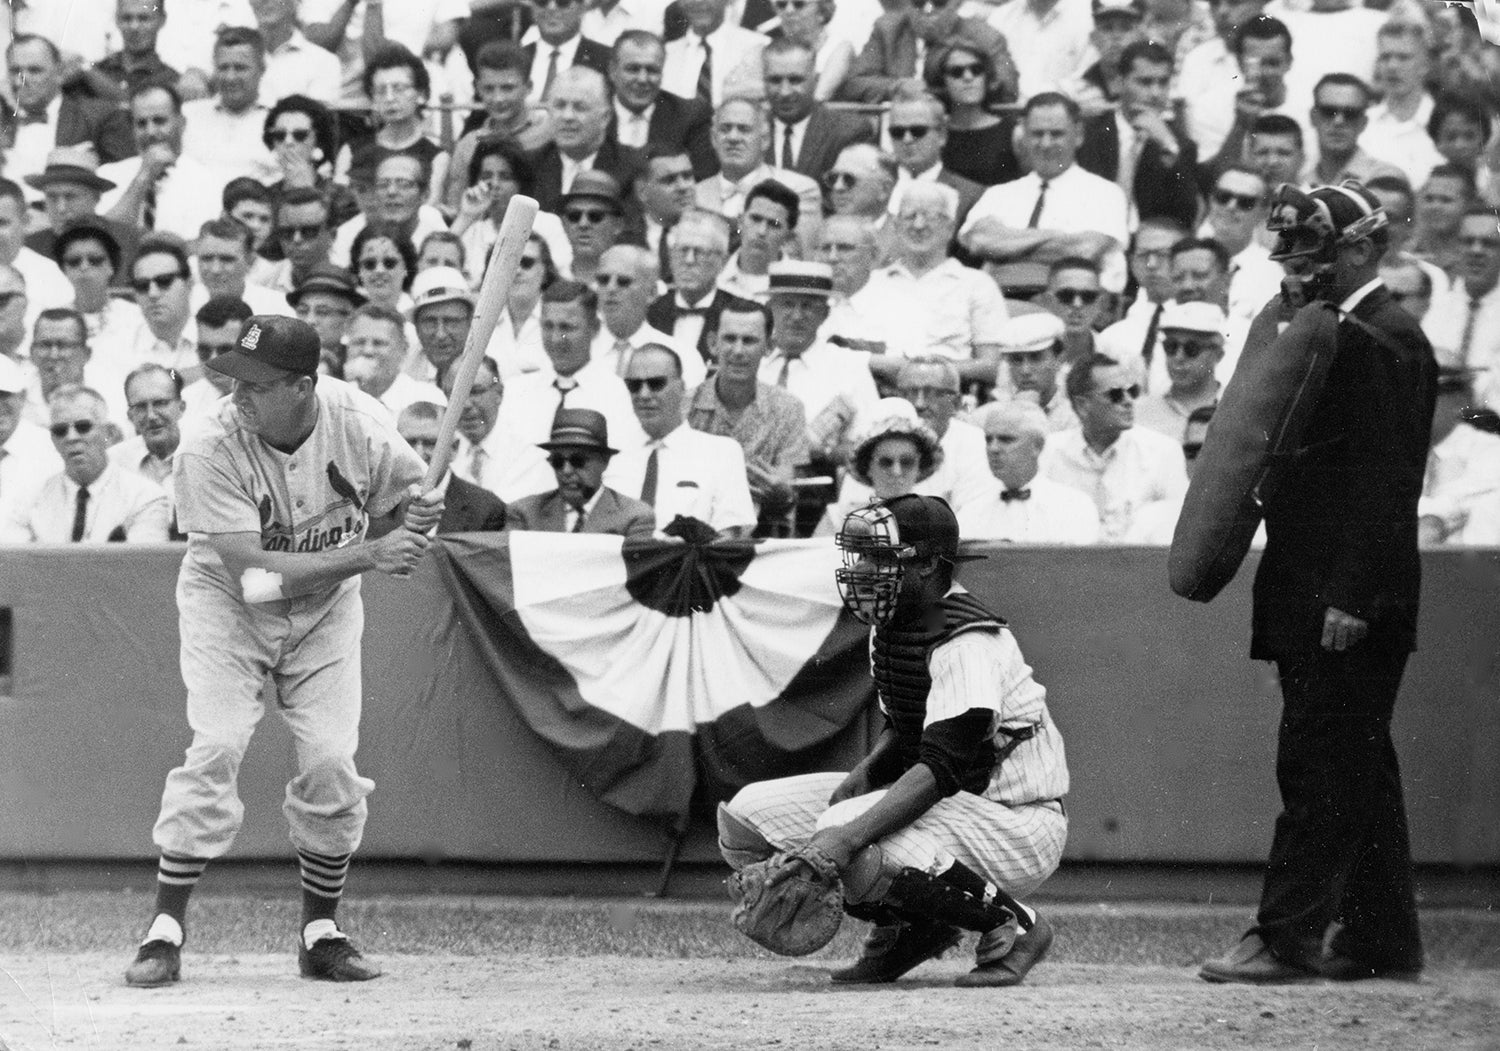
1013, 834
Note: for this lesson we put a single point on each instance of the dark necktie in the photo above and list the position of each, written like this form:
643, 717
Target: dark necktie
648, 486
1149, 346
148, 209
1036, 211
551, 71
80, 513
578, 522
1468, 336
1008, 495
565, 385
705, 90
788, 158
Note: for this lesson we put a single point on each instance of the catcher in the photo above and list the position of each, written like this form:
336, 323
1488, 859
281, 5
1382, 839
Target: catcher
956, 811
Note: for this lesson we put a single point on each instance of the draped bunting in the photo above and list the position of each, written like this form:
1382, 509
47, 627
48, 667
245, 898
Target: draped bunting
662, 672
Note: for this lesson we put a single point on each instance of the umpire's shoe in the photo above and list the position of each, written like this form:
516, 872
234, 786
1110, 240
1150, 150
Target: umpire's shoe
334, 959
1251, 962
997, 967
158, 963
891, 950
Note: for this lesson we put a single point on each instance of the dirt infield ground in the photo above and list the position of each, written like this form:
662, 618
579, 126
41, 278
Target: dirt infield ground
487, 974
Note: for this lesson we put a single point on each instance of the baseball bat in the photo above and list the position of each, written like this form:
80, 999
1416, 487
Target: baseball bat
494, 292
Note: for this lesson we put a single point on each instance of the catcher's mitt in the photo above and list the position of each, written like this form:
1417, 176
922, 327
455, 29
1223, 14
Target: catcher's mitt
791, 903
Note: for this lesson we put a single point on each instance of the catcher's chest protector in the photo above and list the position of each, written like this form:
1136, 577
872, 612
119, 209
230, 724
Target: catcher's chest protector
903, 681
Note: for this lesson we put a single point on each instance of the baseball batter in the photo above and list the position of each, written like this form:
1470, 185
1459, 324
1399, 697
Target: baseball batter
276, 491
958, 807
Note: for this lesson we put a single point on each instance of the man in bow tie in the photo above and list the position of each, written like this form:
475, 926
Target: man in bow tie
1024, 507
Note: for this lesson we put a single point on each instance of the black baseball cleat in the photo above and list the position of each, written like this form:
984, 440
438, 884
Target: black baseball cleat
158, 963
892, 950
1012, 967
334, 959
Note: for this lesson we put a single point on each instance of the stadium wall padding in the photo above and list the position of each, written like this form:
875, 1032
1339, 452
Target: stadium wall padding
1170, 728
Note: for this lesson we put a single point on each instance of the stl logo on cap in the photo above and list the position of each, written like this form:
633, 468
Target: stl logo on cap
251, 338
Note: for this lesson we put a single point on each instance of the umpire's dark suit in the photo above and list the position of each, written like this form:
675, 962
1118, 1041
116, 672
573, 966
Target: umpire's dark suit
1341, 532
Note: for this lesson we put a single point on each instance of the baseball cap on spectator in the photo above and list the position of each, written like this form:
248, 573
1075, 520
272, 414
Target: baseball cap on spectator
71, 165
12, 379
271, 347
326, 277
1194, 317
1030, 333
1132, 9
795, 277
593, 185
439, 284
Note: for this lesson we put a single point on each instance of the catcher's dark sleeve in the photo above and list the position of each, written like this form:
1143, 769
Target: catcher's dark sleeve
952, 746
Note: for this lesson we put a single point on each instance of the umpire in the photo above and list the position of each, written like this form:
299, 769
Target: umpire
1335, 606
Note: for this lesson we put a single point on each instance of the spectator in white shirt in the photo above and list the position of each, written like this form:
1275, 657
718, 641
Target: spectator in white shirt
918, 126
89, 257
294, 65
1025, 507
1397, 131
1155, 524
834, 383
664, 190
61, 357
398, 188
1200, 273
679, 471
1408, 284
1056, 211
163, 284
767, 225
1239, 205
713, 56
858, 314
626, 282
1441, 204
161, 189
27, 458
225, 133
13, 327
153, 399
1210, 76
1075, 295
1121, 467
225, 253
1192, 343
304, 235
1263, 54
92, 500
1461, 493
375, 350
45, 284
1049, 40
1136, 333
935, 304
490, 454
354, 31
1464, 324
1337, 36
1340, 114
1032, 369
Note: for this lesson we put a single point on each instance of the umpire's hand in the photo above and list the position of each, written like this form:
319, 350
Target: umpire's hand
1342, 630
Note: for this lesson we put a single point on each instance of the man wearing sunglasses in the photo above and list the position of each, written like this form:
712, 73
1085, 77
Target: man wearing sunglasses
1074, 294
918, 126
163, 284
1192, 342
593, 218
92, 500
1339, 114
305, 234
1238, 207
578, 452
1120, 466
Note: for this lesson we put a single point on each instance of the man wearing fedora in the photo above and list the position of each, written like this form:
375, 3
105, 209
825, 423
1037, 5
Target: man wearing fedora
71, 188
578, 452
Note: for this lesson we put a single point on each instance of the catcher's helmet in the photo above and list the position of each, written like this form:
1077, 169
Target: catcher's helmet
880, 540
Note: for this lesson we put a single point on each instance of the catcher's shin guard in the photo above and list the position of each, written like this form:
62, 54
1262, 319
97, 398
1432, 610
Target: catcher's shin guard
739, 842
926, 898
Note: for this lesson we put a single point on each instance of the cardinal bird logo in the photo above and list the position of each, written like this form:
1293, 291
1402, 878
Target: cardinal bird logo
265, 511
341, 486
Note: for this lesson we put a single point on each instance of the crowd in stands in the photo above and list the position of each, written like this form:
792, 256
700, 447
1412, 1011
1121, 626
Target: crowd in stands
791, 253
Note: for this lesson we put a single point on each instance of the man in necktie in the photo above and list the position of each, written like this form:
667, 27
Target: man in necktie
92, 500
556, 43
626, 282
1025, 508
1466, 323
467, 506
147, 180
578, 452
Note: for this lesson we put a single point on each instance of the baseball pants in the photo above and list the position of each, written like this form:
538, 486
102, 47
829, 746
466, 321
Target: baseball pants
1016, 847
310, 650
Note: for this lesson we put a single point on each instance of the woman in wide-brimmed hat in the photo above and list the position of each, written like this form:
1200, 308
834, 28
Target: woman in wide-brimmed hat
894, 451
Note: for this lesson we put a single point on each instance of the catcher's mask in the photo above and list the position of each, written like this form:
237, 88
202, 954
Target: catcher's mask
1311, 226
880, 540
